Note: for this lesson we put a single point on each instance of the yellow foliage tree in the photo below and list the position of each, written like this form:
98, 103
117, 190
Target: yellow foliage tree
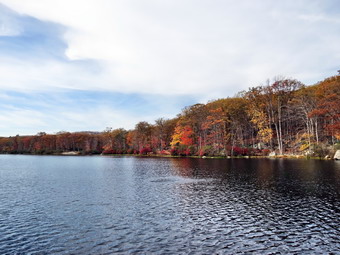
260, 120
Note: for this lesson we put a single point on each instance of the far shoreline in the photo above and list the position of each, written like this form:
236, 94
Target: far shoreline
79, 154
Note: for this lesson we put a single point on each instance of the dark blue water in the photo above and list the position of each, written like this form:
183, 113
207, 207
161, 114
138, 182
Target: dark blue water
105, 205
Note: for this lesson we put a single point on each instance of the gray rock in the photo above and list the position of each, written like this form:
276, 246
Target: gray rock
70, 153
337, 155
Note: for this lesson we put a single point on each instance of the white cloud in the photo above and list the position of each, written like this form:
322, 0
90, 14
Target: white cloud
16, 120
181, 47
20, 121
8, 25
200, 49
320, 18
30, 113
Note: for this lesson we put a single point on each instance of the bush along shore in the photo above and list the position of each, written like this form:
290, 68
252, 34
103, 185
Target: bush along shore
283, 118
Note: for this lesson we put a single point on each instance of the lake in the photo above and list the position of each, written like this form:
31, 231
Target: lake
105, 205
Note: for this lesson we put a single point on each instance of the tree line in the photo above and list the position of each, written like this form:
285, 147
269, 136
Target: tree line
282, 115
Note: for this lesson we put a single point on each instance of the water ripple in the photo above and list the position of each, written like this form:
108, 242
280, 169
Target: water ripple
98, 205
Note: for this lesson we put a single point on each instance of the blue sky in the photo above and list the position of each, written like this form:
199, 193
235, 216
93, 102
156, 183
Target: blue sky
87, 65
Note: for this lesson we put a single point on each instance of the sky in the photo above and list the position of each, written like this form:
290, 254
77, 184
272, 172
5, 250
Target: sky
84, 65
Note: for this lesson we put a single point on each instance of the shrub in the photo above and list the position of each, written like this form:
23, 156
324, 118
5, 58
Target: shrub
206, 151
165, 152
337, 146
109, 151
265, 152
145, 150
174, 151
129, 151
238, 151
320, 150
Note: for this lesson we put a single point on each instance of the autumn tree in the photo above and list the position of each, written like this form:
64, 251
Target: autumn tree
143, 131
163, 131
281, 114
328, 106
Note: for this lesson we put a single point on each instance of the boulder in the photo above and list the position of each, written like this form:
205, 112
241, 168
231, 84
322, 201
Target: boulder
272, 154
337, 155
70, 153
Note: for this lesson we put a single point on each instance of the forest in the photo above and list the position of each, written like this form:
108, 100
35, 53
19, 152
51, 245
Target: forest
283, 116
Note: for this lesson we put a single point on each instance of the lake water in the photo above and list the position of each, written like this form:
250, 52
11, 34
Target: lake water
105, 205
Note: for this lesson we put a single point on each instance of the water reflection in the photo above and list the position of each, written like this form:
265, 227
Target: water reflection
286, 205
281, 175
98, 205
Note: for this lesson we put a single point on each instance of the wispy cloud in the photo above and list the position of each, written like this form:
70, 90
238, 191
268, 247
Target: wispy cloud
73, 110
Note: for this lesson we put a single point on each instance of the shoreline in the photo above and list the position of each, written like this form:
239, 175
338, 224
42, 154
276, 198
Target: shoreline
173, 156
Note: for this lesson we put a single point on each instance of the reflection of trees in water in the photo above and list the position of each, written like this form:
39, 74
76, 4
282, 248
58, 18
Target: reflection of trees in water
201, 168
186, 167
283, 176
278, 198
